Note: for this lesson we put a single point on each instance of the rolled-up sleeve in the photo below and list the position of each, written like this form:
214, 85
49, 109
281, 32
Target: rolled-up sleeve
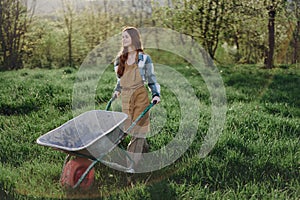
151, 78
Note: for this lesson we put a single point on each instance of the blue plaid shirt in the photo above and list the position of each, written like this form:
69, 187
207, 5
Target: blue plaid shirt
146, 69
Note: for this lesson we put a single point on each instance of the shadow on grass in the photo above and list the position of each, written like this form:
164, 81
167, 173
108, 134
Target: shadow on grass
221, 173
7, 193
284, 88
263, 85
26, 108
156, 191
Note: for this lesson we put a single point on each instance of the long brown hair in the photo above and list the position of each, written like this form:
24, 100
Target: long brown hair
123, 55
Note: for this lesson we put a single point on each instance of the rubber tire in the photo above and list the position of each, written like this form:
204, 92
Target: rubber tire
73, 171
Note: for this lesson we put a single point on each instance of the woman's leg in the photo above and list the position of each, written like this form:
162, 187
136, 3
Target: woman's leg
138, 143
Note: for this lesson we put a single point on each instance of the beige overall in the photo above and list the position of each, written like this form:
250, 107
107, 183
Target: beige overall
134, 101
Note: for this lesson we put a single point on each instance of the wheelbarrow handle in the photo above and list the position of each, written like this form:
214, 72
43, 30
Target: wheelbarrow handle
140, 116
110, 102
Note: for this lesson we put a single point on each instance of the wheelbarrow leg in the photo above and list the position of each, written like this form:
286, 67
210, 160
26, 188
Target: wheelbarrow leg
67, 159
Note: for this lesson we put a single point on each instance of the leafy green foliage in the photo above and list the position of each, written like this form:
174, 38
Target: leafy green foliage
230, 31
239, 28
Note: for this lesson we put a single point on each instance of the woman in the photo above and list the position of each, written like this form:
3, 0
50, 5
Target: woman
134, 68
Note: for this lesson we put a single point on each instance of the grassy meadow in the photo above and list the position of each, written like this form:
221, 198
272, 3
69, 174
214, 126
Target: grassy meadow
256, 157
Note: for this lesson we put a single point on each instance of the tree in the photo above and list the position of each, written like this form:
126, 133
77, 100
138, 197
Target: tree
202, 20
295, 7
15, 17
96, 22
271, 32
68, 17
43, 47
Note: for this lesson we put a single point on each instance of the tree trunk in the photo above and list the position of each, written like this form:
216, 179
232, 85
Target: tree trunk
207, 40
70, 49
296, 43
271, 29
68, 10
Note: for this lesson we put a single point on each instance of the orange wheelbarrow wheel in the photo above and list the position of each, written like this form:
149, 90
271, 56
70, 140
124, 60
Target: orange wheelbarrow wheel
73, 171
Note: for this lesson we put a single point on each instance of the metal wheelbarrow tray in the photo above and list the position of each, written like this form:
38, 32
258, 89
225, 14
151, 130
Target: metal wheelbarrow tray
92, 134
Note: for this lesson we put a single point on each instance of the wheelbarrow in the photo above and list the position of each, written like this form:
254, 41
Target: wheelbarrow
88, 138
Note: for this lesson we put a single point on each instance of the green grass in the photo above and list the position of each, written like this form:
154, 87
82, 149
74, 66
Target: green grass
256, 157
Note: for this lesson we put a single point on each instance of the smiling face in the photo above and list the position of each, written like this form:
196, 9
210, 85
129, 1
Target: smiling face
131, 39
126, 39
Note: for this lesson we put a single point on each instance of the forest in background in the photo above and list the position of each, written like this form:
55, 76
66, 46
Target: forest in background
263, 32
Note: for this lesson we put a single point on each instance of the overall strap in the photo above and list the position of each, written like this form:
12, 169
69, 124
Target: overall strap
141, 65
